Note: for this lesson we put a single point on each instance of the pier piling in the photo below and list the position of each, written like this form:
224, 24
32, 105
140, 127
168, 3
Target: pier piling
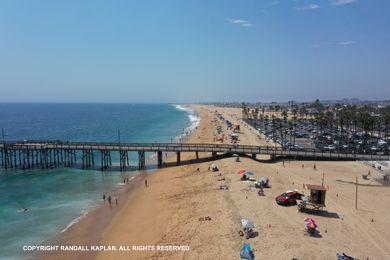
178, 158
141, 160
159, 159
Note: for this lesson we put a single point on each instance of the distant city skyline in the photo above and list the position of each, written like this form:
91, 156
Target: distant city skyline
194, 51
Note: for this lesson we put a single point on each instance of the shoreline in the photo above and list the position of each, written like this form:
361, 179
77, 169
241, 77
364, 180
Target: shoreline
88, 230
173, 209
97, 219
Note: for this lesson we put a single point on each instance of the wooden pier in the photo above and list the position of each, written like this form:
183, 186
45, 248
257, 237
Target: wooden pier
49, 154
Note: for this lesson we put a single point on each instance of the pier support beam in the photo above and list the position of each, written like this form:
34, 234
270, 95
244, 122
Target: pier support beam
124, 159
141, 160
5, 157
105, 160
2, 156
159, 159
88, 158
197, 155
68, 157
214, 154
178, 158
253, 156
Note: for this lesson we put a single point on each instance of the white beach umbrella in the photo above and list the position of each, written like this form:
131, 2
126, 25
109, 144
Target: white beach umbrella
246, 223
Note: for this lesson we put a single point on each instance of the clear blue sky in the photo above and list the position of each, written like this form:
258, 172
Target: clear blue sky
193, 50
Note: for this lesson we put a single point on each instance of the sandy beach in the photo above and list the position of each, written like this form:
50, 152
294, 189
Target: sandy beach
172, 209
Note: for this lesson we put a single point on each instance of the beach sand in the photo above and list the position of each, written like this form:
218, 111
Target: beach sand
170, 210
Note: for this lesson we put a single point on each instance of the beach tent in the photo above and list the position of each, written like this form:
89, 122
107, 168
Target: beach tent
246, 223
214, 167
264, 181
246, 252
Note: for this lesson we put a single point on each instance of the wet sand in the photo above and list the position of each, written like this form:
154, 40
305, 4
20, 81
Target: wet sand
172, 210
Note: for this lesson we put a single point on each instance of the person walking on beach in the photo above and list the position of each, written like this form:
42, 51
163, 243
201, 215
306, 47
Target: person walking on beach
104, 197
146, 183
116, 201
109, 200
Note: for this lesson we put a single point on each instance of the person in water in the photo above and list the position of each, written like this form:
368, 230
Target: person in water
104, 197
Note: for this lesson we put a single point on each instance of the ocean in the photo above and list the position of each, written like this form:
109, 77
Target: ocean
58, 198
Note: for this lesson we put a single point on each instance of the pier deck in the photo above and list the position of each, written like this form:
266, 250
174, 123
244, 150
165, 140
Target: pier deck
45, 154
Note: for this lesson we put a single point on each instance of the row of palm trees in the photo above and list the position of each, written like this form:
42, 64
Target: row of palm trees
345, 119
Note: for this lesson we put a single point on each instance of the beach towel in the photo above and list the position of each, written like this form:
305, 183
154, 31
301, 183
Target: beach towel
344, 257
246, 252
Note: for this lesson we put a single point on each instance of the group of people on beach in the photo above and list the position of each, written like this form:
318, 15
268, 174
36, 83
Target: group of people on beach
109, 199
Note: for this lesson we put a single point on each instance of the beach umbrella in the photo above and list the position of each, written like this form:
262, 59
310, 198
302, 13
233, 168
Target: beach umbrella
249, 173
246, 223
310, 220
241, 172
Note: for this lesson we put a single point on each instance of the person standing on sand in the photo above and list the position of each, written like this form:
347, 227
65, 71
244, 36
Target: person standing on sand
146, 183
116, 201
109, 200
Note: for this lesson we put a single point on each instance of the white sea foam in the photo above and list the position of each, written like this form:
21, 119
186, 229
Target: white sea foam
76, 220
192, 115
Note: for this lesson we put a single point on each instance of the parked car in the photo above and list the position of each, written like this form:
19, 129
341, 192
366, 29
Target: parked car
288, 197
329, 147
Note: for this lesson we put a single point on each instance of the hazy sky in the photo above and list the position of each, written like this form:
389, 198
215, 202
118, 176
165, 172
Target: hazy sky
193, 50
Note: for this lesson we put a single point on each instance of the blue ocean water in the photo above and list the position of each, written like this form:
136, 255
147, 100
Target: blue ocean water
56, 198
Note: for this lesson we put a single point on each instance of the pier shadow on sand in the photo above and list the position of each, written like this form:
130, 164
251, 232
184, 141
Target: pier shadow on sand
322, 213
193, 161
